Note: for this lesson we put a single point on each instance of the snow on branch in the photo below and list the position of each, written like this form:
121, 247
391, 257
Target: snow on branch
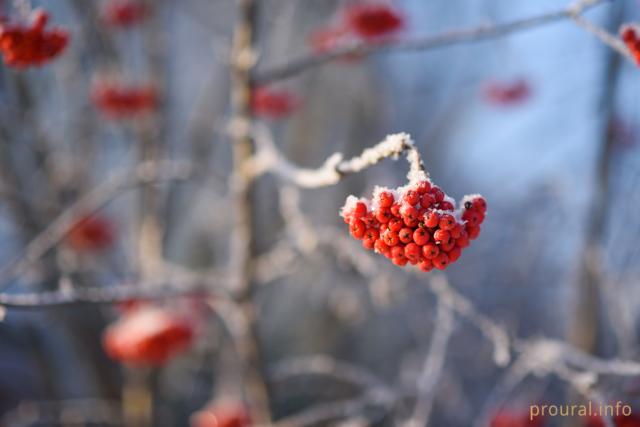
446, 38
269, 159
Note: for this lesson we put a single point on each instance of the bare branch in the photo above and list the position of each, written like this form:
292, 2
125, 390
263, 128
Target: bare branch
143, 173
446, 38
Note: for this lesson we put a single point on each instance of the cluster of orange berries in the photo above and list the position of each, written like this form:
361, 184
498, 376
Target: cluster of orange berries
118, 100
415, 224
25, 45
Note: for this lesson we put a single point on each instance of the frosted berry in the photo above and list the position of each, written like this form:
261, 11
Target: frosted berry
447, 222
427, 200
390, 238
357, 228
395, 224
385, 199
384, 215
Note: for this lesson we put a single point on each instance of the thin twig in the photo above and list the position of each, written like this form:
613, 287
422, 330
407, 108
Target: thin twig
447, 38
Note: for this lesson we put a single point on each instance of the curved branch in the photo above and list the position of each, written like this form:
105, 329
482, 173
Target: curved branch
269, 159
443, 39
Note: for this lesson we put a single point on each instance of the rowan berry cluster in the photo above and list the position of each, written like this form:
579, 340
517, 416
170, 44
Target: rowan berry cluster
507, 93
415, 224
273, 103
91, 233
25, 45
222, 414
148, 336
630, 35
370, 22
124, 13
119, 100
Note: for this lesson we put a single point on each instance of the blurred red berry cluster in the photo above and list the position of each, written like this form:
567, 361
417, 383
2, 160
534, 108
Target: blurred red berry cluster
507, 93
123, 13
415, 224
91, 234
370, 22
509, 417
118, 100
270, 103
148, 335
630, 34
618, 420
222, 414
24, 45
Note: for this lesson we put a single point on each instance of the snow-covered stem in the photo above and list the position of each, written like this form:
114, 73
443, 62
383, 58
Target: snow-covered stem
269, 159
604, 36
446, 38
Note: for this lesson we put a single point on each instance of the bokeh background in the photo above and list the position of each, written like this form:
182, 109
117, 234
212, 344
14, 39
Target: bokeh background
559, 168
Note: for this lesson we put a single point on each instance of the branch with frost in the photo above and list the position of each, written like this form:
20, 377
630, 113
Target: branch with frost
269, 159
141, 174
432, 367
603, 35
447, 38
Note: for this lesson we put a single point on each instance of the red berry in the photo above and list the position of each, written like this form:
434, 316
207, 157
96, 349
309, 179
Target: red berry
426, 265
446, 247
395, 210
273, 103
441, 236
391, 238
462, 241
371, 234
446, 206
381, 247
447, 222
437, 193
427, 200
432, 219
412, 197
430, 250
368, 243
385, 199
412, 252
384, 215
441, 261
456, 231
400, 260
395, 224
357, 229
405, 235
421, 236
472, 217
479, 204
454, 254
360, 210
409, 213
473, 231
397, 251
369, 219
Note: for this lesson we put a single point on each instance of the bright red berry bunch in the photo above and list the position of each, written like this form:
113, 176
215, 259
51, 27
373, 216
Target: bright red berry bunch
507, 93
118, 100
148, 336
222, 414
25, 45
123, 13
273, 103
416, 224
91, 234
630, 35
372, 21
